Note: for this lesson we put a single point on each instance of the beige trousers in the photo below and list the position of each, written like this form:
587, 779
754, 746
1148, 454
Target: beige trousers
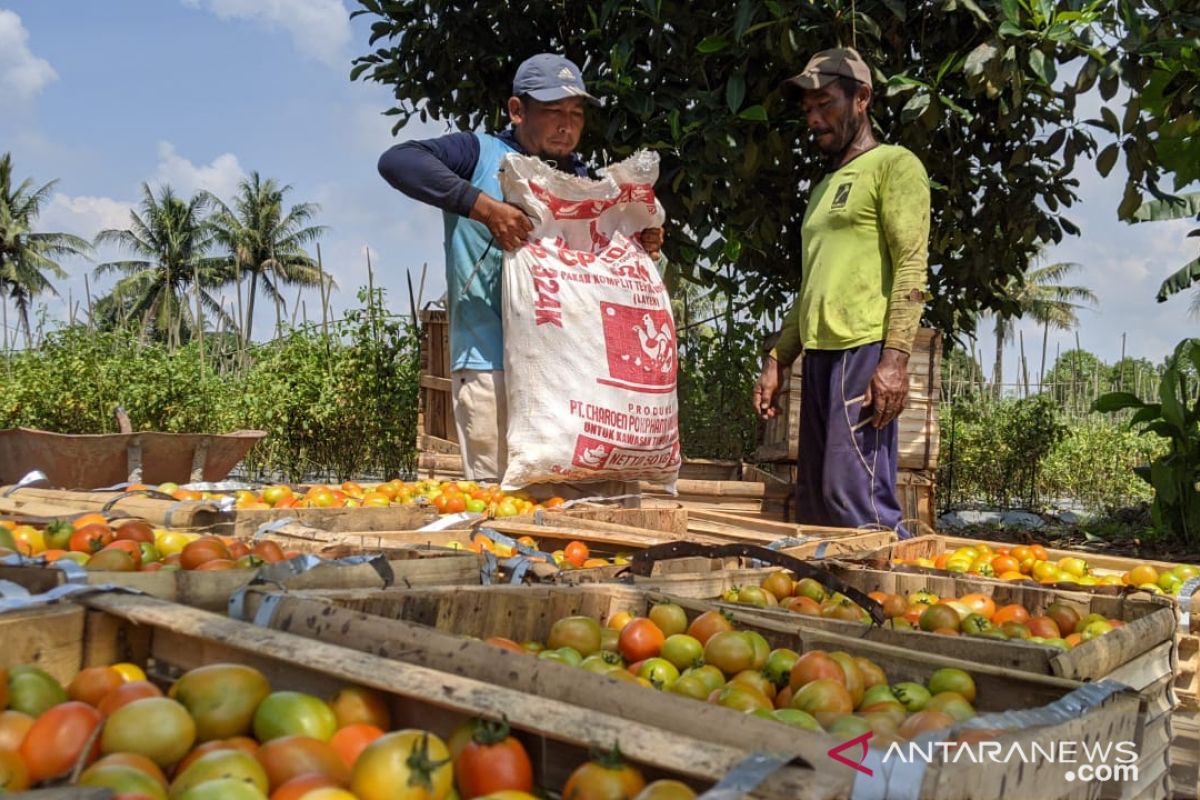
481, 417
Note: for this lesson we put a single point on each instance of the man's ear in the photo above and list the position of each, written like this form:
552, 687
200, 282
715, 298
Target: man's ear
862, 98
516, 110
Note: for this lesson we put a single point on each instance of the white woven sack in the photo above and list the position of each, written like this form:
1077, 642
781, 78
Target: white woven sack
589, 340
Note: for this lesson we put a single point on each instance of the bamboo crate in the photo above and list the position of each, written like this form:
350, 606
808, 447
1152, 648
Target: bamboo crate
427, 627
779, 438
211, 589
168, 639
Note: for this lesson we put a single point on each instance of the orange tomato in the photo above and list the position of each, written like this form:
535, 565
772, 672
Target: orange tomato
1038, 552
125, 694
92, 684
979, 604
57, 740
1014, 612
84, 520
350, 741
296, 788
13, 727
576, 552
129, 546
640, 639
1005, 563
358, 704
289, 757
206, 548
14, 775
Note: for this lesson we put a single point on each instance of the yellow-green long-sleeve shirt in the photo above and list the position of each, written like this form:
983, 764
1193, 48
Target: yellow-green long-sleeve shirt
866, 257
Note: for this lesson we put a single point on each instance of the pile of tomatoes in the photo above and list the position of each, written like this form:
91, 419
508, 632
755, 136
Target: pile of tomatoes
448, 497
133, 546
1033, 563
1058, 625
707, 659
222, 733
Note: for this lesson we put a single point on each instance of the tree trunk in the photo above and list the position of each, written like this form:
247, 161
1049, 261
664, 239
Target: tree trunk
250, 305
23, 308
1045, 346
998, 369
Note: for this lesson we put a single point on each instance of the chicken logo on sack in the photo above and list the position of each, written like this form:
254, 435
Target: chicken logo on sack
641, 348
594, 456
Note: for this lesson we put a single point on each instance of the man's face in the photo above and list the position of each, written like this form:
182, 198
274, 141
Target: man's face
548, 130
834, 118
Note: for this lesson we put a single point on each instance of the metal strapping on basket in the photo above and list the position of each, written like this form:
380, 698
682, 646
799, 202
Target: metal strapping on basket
746, 776
1186, 592
901, 779
36, 476
271, 527
280, 571
642, 563
519, 564
73, 570
66, 590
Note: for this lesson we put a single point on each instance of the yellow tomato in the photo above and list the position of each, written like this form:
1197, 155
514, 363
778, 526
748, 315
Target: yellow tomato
170, 542
30, 541
130, 672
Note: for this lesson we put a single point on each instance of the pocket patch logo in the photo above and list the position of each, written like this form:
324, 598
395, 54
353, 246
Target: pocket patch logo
841, 197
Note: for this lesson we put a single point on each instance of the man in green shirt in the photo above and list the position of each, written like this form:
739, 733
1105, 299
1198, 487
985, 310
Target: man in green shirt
864, 274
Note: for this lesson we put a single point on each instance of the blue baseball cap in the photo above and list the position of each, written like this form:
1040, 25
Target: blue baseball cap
547, 77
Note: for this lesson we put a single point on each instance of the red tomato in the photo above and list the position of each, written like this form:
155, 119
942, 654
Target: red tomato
640, 639
90, 538
576, 552
492, 762
57, 739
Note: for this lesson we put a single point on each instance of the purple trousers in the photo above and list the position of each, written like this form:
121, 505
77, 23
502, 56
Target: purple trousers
846, 474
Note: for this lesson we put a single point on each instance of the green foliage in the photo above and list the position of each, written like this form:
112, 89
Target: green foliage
997, 449
962, 375
1074, 374
340, 406
971, 87
1094, 465
1175, 474
718, 367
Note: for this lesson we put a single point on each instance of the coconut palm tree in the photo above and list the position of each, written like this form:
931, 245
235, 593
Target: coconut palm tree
260, 239
26, 255
1042, 297
170, 239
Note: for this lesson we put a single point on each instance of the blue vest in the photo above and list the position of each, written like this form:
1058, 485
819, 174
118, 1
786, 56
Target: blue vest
476, 328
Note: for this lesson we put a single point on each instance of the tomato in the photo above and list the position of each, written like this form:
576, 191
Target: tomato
756, 681
683, 651
507, 644
135, 530
136, 762
708, 623
951, 703
606, 778
669, 617
352, 739
58, 738
660, 672
779, 584
913, 696
14, 775
359, 704
289, 757
752, 596
294, 714
126, 693
729, 651
842, 608
779, 666
825, 699
815, 665
171, 543
236, 743
268, 551
640, 639
214, 564
803, 605
923, 722
979, 604
403, 765
124, 781
810, 588
206, 548
1065, 617
222, 789
854, 682
666, 789
90, 538
1044, 627
873, 674
581, 634
762, 648
576, 552
30, 541
297, 788
13, 727
58, 534
710, 676
938, 616
133, 548
690, 686
156, 727
492, 761
113, 559
1013, 612
91, 685
32, 690
222, 698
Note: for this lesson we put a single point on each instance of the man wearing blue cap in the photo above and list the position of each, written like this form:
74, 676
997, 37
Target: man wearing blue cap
459, 173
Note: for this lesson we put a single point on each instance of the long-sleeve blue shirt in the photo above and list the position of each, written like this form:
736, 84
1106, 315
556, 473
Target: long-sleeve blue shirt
449, 173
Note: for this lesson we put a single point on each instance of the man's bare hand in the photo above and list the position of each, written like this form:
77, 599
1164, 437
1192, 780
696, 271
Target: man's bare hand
652, 241
887, 393
767, 389
508, 224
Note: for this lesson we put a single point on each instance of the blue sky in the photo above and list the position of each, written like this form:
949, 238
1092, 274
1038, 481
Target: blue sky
197, 93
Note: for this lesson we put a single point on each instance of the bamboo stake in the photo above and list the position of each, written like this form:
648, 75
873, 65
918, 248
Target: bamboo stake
1121, 371
87, 292
324, 299
199, 314
1024, 364
70, 309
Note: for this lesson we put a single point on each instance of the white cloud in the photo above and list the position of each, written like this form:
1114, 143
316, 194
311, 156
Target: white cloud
319, 28
22, 74
221, 177
84, 215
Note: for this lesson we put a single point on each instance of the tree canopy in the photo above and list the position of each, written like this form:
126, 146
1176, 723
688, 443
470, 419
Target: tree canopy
976, 88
